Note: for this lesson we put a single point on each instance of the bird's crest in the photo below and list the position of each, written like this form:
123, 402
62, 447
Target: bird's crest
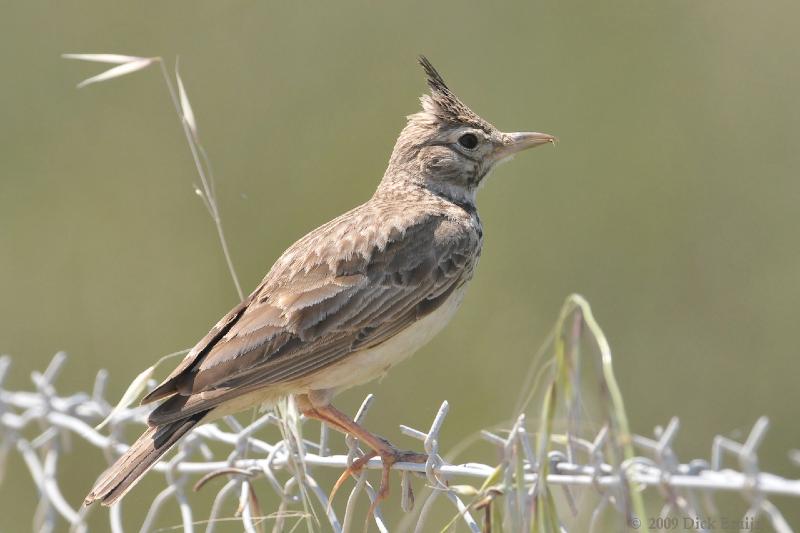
443, 104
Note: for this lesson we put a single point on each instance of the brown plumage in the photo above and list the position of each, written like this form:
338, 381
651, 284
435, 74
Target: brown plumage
347, 301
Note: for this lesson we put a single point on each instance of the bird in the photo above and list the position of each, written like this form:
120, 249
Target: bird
347, 301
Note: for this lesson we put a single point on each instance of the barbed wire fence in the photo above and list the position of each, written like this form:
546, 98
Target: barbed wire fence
533, 488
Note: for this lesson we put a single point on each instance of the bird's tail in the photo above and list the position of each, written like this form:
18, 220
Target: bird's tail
140, 457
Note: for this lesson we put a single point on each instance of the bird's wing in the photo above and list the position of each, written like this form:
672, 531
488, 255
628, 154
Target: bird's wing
330, 295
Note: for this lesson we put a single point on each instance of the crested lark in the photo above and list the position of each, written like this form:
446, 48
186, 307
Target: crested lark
349, 300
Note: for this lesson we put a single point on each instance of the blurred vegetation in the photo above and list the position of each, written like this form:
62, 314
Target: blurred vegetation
670, 202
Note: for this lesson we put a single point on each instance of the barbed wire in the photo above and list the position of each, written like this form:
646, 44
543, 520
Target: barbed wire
288, 468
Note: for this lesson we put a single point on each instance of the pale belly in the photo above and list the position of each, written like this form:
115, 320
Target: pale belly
361, 367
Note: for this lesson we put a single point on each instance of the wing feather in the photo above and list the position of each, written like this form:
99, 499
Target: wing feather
314, 309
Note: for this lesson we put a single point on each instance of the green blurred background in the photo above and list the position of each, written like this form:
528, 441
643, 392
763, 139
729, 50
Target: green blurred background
671, 201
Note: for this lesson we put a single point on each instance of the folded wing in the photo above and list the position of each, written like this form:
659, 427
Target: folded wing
320, 304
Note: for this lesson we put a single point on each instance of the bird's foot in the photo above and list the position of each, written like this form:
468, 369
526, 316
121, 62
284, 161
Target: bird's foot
389, 457
397, 456
380, 447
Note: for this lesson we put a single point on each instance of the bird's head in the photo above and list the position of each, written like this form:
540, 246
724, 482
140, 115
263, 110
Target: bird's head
448, 148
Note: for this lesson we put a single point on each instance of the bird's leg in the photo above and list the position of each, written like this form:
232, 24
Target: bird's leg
380, 446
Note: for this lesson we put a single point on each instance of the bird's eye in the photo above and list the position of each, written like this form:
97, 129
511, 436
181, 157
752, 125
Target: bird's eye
468, 141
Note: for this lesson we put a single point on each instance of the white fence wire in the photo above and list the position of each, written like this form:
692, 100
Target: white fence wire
288, 470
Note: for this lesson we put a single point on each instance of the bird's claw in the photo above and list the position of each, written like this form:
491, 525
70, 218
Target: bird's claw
389, 457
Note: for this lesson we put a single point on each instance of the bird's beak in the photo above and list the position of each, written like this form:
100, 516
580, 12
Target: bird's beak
519, 141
